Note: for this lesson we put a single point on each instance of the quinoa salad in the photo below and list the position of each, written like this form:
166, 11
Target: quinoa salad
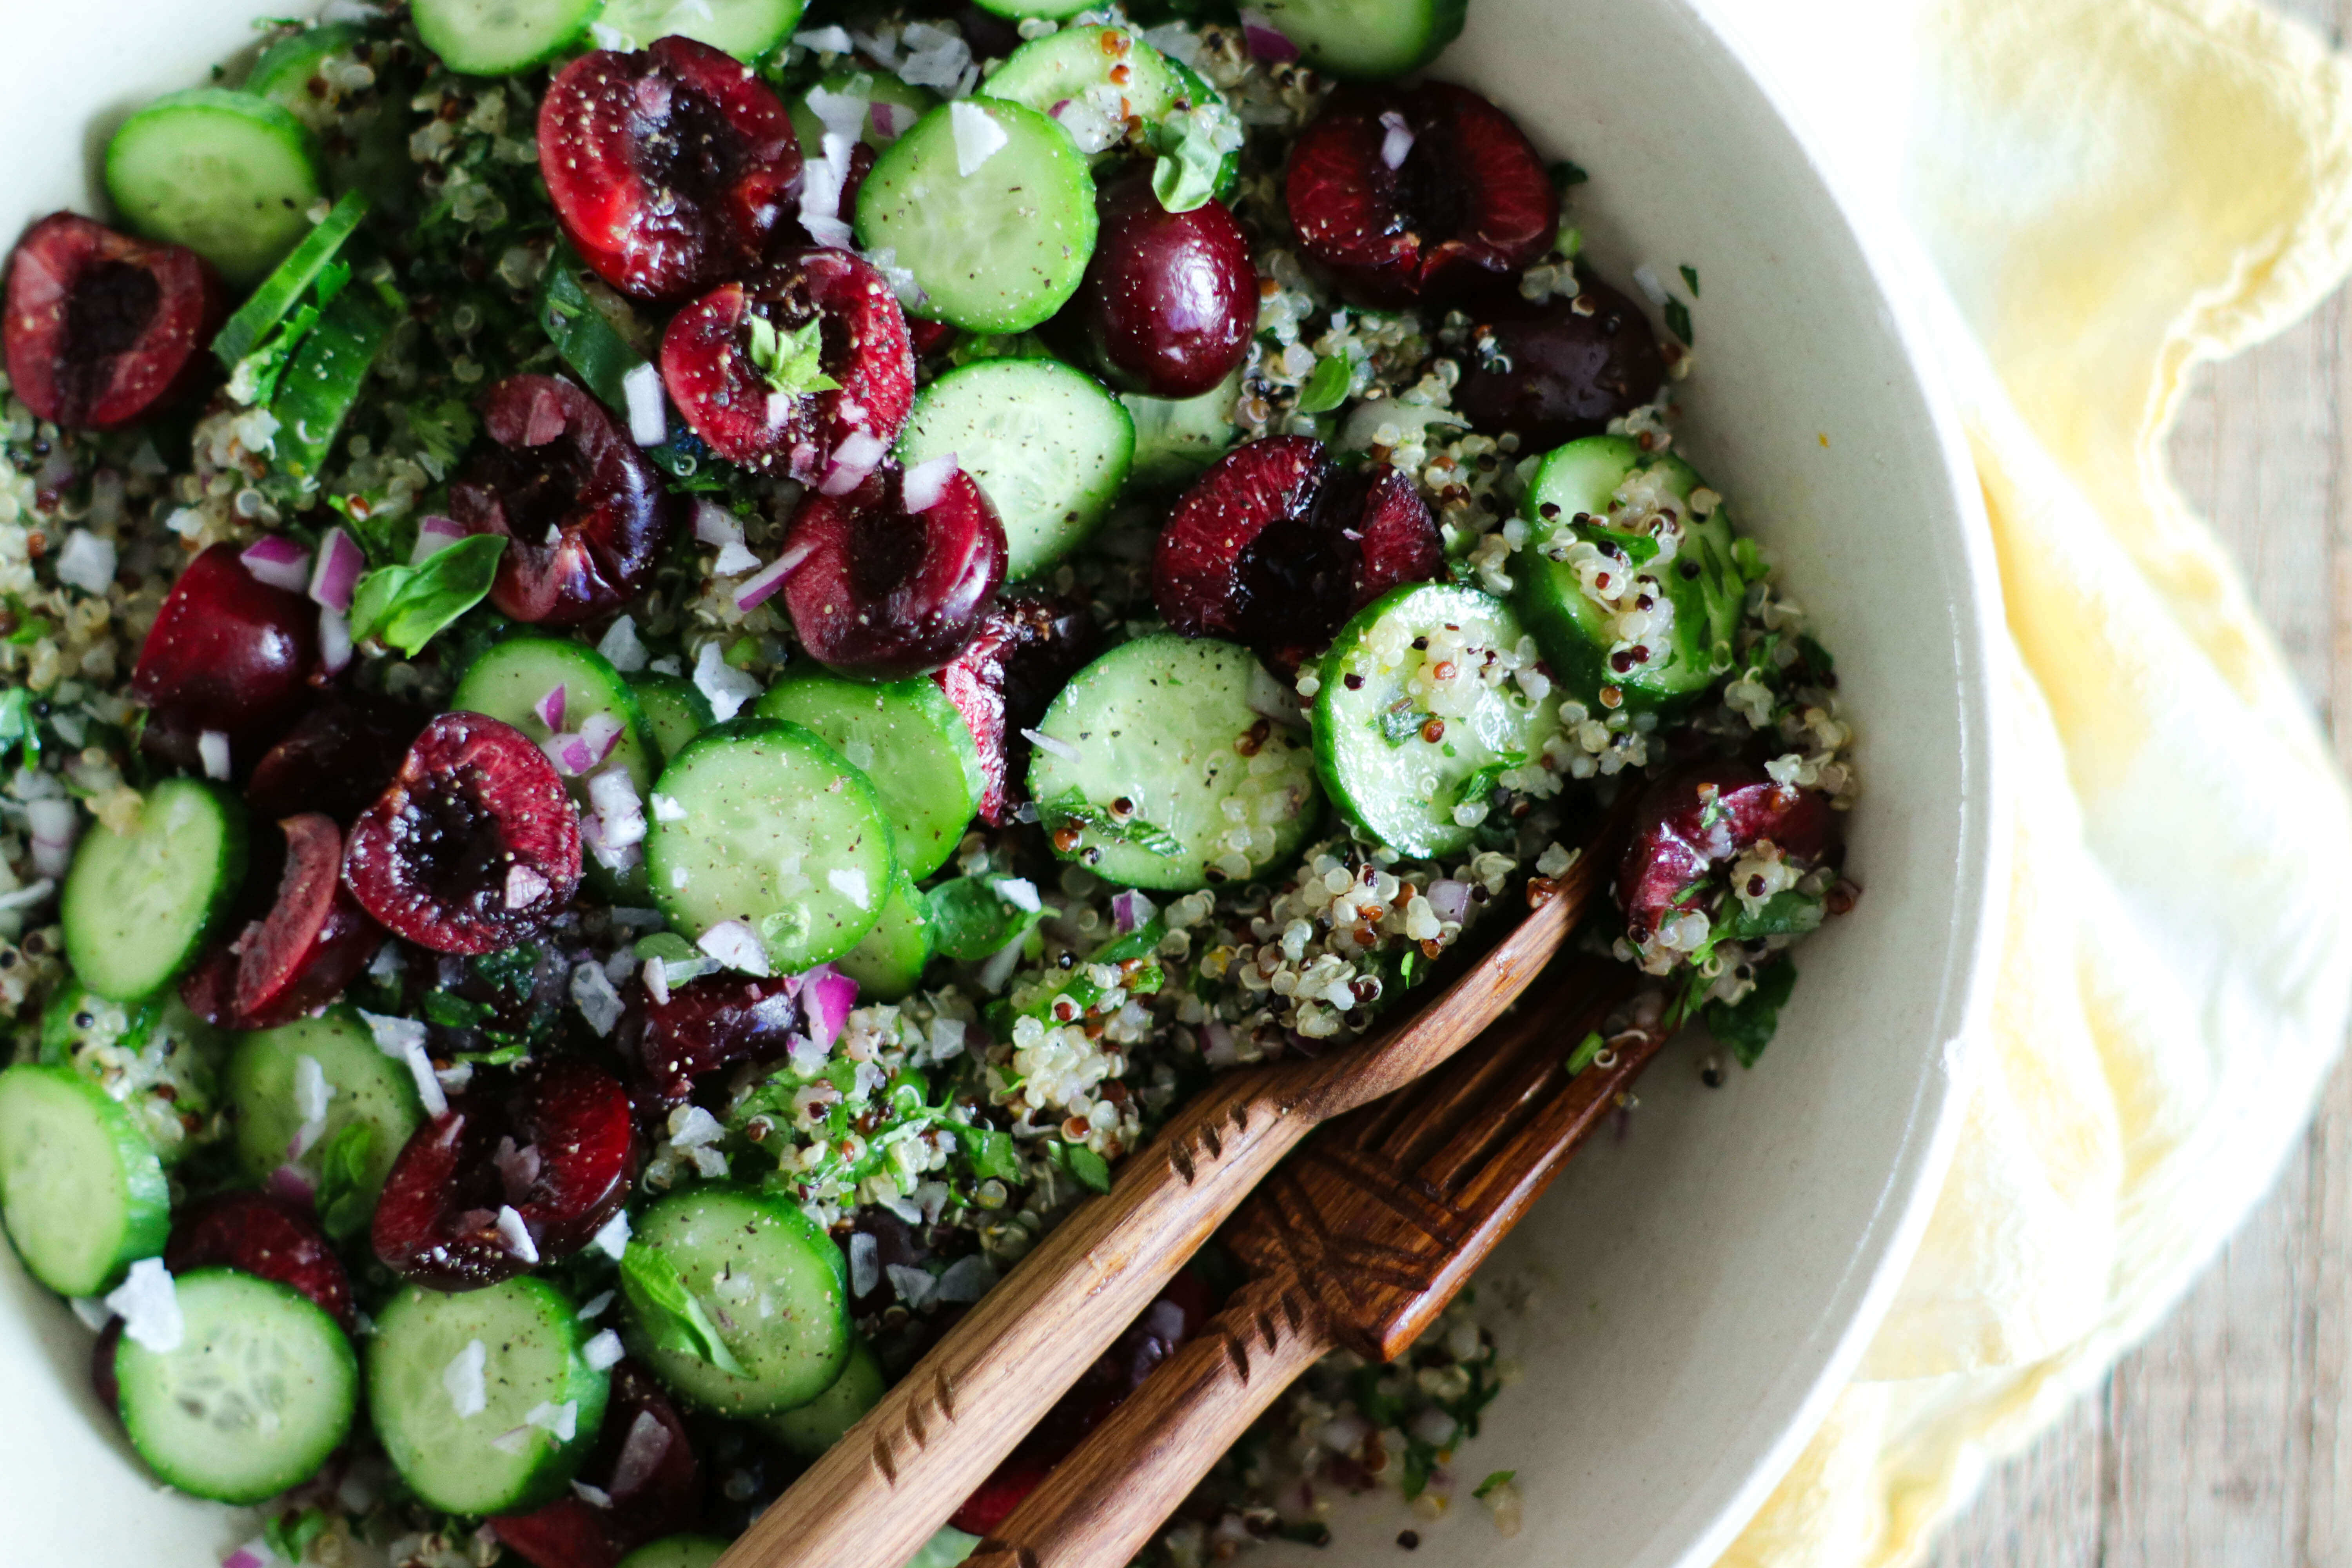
669, 670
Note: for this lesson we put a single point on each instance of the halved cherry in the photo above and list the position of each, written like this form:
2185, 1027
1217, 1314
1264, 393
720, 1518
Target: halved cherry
1169, 300
572, 1154
710, 1024
1558, 369
1023, 652
584, 514
669, 167
1411, 195
714, 376
103, 330
474, 847
314, 941
885, 592
103, 1381
267, 1235
228, 652
1275, 546
644, 1463
1703, 816
336, 759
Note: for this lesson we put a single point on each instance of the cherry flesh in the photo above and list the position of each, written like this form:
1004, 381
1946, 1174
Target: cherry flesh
1275, 546
475, 845
883, 593
669, 167
1469, 200
1559, 369
1169, 300
1025, 651
710, 368
573, 1153
1703, 815
228, 653
336, 759
266, 1236
103, 330
710, 1024
314, 942
583, 513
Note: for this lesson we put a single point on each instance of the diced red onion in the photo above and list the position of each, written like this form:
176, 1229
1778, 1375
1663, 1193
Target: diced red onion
623, 816
571, 754
291, 1182
1046, 742
1130, 911
1449, 900
212, 749
976, 136
1270, 699
756, 589
277, 560
1264, 40
736, 945
595, 1497
518, 1168
1219, 1050
891, 120
1060, 104
1396, 142
602, 732
334, 640
714, 524
655, 977
642, 1452
549, 709
254, 1554
87, 562
515, 1235
827, 996
526, 885
56, 826
1646, 277
926, 483
341, 561
434, 535
859, 452
620, 646
648, 408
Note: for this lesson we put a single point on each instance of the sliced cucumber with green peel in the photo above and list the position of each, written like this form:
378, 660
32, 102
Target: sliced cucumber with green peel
676, 711
454, 1383
769, 825
512, 679
371, 1110
362, 145
1054, 10
500, 38
1155, 772
874, 87
752, 1269
284, 287
808, 1430
1406, 736
749, 29
1598, 494
889, 963
138, 905
259, 1391
908, 739
1177, 437
999, 249
228, 175
81, 1191
1044, 440
322, 385
284, 70
152, 1057
1065, 67
1367, 40
678, 1551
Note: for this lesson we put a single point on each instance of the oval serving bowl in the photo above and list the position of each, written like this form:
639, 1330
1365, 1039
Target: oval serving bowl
1707, 1281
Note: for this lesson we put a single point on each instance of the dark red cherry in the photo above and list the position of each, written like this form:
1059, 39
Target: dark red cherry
711, 1024
574, 1154
103, 1381
263, 1234
103, 330
1703, 815
1169, 300
644, 1464
474, 847
336, 759
584, 514
883, 592
709, 364
1275, 546
930, 337
1023, 652
314, 941
1559, 369
669, 167
1467, 201
228, 652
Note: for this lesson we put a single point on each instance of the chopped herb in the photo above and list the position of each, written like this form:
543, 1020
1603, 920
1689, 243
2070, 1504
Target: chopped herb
1493, 1484
669, 1313
1481, 784
790, 361
1690, 277
989, 1152
1401, 722
407, 607
970, 919
1072, 806
1747, 1026
344, 1202
18, 727
291, 1534
1565, 174
442, 429
1334, 377
1091, 1169
1678, 321
1589, 1047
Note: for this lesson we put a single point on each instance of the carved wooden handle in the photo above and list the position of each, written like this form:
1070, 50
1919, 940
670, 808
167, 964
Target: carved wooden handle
1099, 1508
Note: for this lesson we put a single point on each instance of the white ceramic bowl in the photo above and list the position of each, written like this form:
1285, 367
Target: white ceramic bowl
1711, 1279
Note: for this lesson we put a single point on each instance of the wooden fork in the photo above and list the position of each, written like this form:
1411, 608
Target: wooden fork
1359, 1241
884, 1489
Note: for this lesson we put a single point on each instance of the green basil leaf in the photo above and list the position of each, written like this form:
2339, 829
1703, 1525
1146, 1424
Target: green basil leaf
407, 607
990, 1153
1334, 377
670, 1314
1091, 1169
343, 1203
790, 361
970, 919
1192, 145
1481, 784
1072, 806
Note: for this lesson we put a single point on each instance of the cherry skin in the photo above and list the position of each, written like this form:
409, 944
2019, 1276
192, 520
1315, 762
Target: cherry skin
713, 1023
102, 330
1023, 652
314, 942
1558, 370
264, 1236
1169, 300
644, 1461
1702, 816
883, 593
336, 759
228, 652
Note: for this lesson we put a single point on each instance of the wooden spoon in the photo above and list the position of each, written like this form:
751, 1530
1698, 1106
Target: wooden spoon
884, 1489
1359, 1241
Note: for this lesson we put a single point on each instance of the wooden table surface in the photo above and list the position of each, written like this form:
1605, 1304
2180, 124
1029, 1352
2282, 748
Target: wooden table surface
2225, 1441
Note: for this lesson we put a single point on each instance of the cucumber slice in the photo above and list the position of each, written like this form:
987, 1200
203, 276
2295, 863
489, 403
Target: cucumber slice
678, 1551
510, 678
1175, 439
1584, 498
675, 710
1046, 441
285, 287
999, 249
762, 1275
371, 1110
908, 739
228, 175
775, 830
1160, 774
322, 385
259, 1391
81, 1192
153, 1058
1381, 702
1367, 40
1056, 10
500, 38
810, 1429
874, 87
748, 29
362, 143
421, 1360
889, 963
1074, 67
138, 905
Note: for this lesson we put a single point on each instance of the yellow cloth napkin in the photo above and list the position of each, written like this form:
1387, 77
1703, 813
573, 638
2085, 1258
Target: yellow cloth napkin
2097, 195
